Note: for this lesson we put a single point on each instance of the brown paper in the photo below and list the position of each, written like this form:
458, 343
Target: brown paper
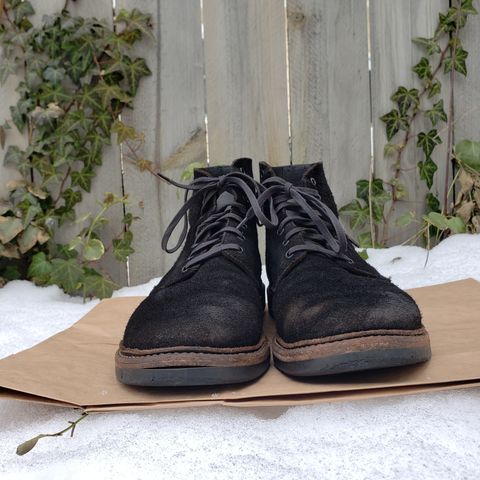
76, 366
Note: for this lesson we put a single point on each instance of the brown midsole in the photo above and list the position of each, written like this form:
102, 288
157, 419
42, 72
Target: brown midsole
350, 342
193, 356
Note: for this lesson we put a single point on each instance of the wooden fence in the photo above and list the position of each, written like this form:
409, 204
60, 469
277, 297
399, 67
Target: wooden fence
281, 81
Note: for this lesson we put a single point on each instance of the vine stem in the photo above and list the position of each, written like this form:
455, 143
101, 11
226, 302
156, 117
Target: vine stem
406, 140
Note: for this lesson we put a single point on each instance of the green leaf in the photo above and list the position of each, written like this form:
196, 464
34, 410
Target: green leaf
66, 273
458, 62
406, 219
405, 98
434, 89
437, 220
467, 152
123, 131
83, 178
107, 93
54, 75
456, 225
14, 156
362, 189
394, 121
136, 20
363, 254
423, 68
433, 203
28, 238
71, 197
98, 286
187, 174
134, 71
390, 149
11, 272
122, 248
365, 240
39, 267
358, 214
428, 140
427, 170
9, 228
436, 113
93, 249
429, 44
23, 10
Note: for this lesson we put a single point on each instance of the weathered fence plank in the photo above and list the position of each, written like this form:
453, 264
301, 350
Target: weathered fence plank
329, 89
246, 82
467, 89
170, 112
393, 25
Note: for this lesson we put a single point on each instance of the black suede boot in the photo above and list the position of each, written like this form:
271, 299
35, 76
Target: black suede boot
333, 312
203, 323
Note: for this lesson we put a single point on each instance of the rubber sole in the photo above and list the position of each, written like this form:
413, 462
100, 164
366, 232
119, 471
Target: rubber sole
353, 352
183, 367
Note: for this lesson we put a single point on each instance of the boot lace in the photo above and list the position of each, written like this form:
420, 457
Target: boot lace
304, 211
216, 219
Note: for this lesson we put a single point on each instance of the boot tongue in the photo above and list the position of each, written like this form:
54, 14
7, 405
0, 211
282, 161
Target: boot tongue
223, 200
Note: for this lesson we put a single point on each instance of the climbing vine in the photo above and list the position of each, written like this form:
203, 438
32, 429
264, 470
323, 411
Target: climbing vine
77, 75
377, 198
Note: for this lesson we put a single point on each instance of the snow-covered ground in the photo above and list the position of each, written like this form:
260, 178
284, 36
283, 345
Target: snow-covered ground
427, 436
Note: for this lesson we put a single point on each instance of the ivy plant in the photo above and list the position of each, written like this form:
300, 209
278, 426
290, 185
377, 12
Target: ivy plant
375, 205
76, 77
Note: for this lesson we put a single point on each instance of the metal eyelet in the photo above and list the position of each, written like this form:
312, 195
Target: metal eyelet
313, 181
288, 254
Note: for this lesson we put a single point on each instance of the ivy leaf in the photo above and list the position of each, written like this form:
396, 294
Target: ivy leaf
427, 170
22, 10
14, 156
429, 44
123, 131
9, 228
93, 249
54, 75
456, 225
434, 89
134, 71
433, 203
436, 113
39, 267
83, 178
423, 68
428, 140
122, 248
362, 189
71, 197
365, 240
8, 67
437, 220
107, 93
357, 213
28, 238
96, 285
405, 98
394, 121
66, 273
458, 62
467, 152
136, 20
390, 149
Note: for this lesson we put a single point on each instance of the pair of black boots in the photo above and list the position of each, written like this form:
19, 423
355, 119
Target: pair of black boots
203, 324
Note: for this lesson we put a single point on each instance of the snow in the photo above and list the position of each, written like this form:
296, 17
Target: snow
428, 436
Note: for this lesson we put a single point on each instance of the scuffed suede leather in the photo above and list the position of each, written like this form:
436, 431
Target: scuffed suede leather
313, 296
217, 304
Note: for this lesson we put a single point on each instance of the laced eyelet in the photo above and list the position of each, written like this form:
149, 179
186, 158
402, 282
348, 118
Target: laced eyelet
184, 269
285, 242
280, 232
241, 250
313, 181
288, 254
